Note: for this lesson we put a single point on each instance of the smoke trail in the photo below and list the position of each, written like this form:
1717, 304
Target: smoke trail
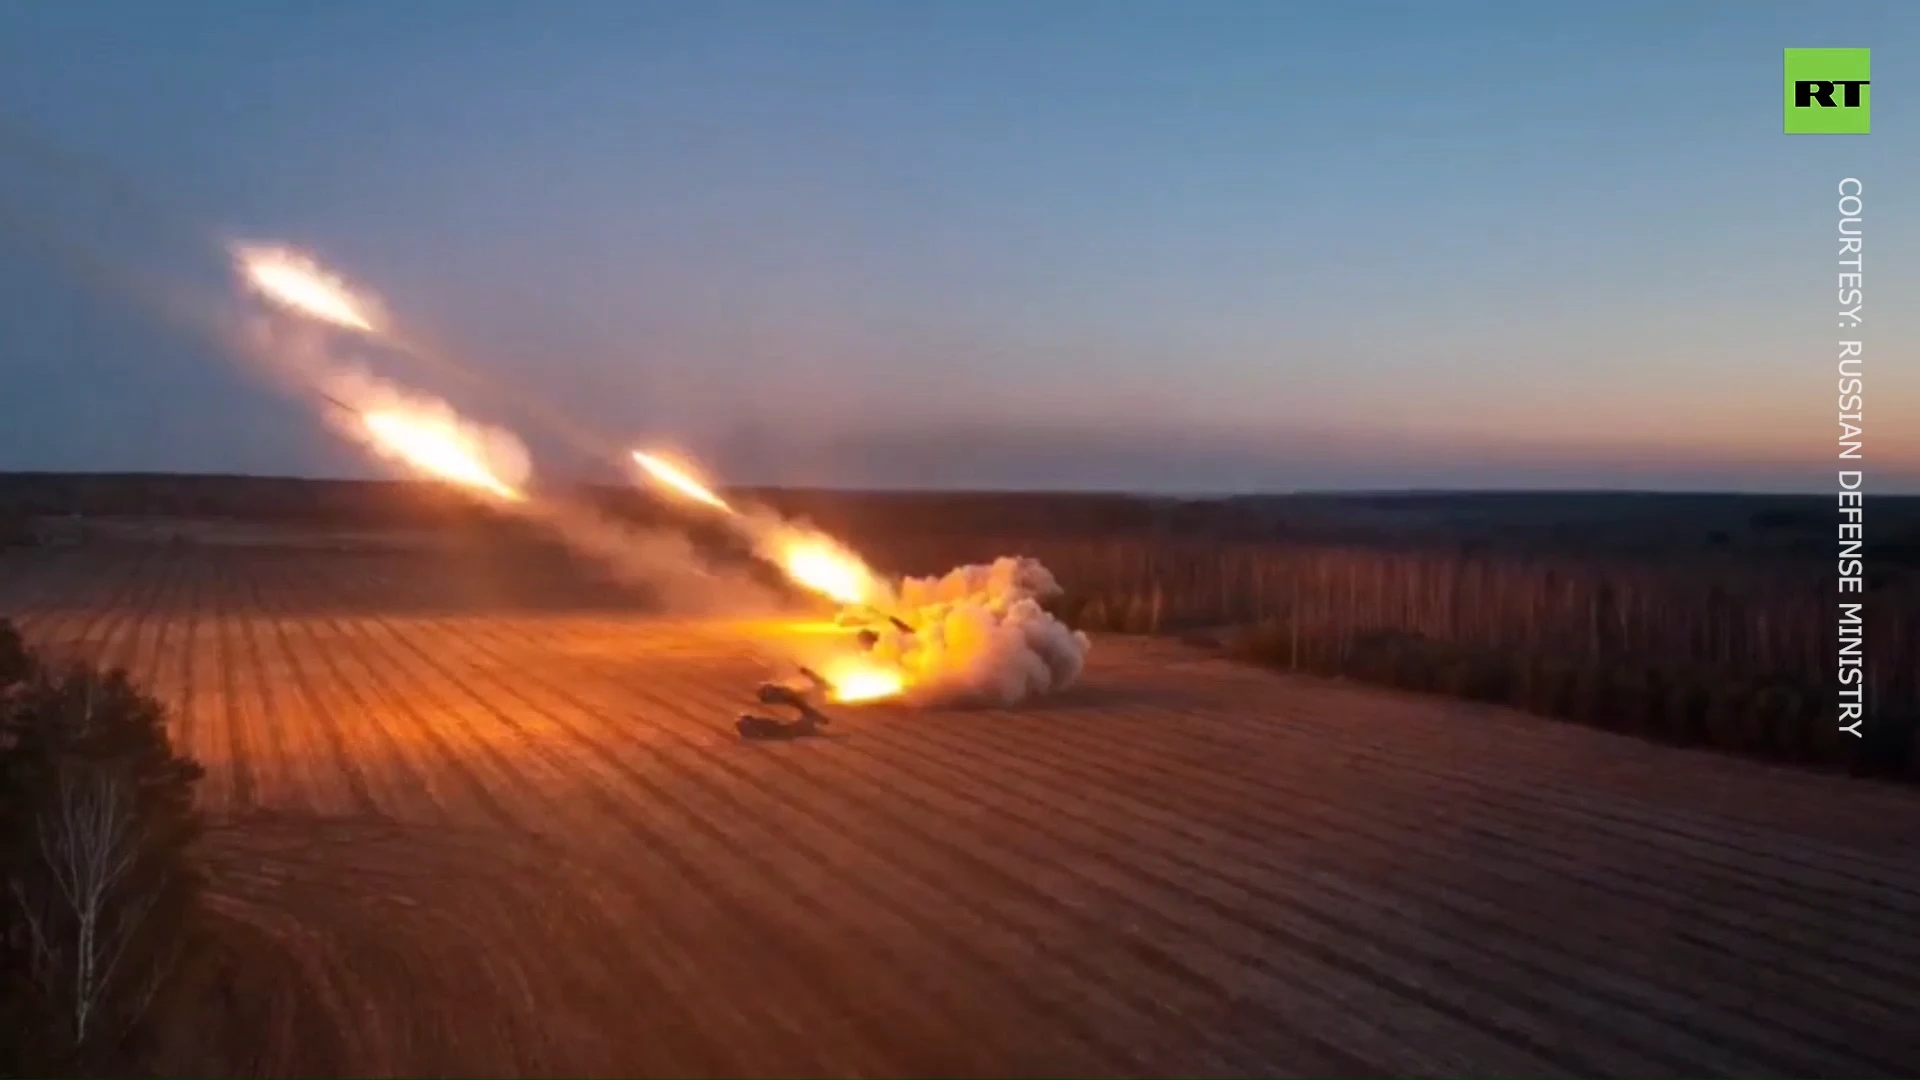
306, 359
665, 563
298, 356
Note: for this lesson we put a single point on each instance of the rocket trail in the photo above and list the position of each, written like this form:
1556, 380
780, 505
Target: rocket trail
21, 142
295, 282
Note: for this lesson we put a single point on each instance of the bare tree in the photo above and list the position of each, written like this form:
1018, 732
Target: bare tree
83, 907
96, 819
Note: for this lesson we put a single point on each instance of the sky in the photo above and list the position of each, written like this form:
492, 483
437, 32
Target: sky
1178, 247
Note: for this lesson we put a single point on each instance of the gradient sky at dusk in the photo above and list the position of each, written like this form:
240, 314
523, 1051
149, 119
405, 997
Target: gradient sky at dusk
1198, 247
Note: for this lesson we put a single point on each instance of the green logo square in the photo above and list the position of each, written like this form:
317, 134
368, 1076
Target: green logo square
1827, 92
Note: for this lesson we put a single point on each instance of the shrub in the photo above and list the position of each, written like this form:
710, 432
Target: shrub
96, 821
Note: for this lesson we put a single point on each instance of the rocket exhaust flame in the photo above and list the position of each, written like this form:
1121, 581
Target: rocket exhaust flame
810, 560
296, 282
437, 449
425, 435
678, 479
817, 563
977, 635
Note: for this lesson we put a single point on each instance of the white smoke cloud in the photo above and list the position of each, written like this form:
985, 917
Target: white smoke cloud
980, 636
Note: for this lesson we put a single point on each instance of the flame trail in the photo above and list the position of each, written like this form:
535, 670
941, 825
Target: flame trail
978, 635
436, 448
426, 435
679, 480
809, 559
297, 282
823, 565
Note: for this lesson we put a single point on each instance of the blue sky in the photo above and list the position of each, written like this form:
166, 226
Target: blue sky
1162, 246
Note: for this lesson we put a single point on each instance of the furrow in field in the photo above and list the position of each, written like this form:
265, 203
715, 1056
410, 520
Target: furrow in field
366, 751
1160, 747
1497, 747
187, 670
563, 793
1257, 886
273, 785
1300, 785
301, 735
1714, 837
1220, 742
68, 630
738, 837
1640, 865
137, 610
336, 773
286, 779
446, 756
155, 612
240, 764
1736, 799
422, 793
521, 785
1079, 870
907, 938
1041, 918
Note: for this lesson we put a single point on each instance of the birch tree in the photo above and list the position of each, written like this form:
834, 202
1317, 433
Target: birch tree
95, 820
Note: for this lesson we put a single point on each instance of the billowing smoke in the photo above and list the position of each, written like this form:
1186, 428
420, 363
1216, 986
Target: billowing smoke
979, 636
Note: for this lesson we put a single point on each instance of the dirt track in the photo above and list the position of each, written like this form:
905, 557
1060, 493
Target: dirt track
459, 832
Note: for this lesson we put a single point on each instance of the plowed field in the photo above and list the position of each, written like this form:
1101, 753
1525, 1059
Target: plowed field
464, 825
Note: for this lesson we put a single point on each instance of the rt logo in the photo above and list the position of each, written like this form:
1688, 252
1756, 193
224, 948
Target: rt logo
1827, 92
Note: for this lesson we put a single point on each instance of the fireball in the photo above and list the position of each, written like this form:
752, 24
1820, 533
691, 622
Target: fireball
296, 282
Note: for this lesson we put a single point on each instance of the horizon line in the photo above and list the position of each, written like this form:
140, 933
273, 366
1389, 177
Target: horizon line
888, 489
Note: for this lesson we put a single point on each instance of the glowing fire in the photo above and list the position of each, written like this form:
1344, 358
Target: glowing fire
436, 446
679, 480
855, 680
294, 281
810, 560
817, 563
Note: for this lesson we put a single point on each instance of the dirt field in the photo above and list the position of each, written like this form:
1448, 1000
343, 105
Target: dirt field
463, 825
